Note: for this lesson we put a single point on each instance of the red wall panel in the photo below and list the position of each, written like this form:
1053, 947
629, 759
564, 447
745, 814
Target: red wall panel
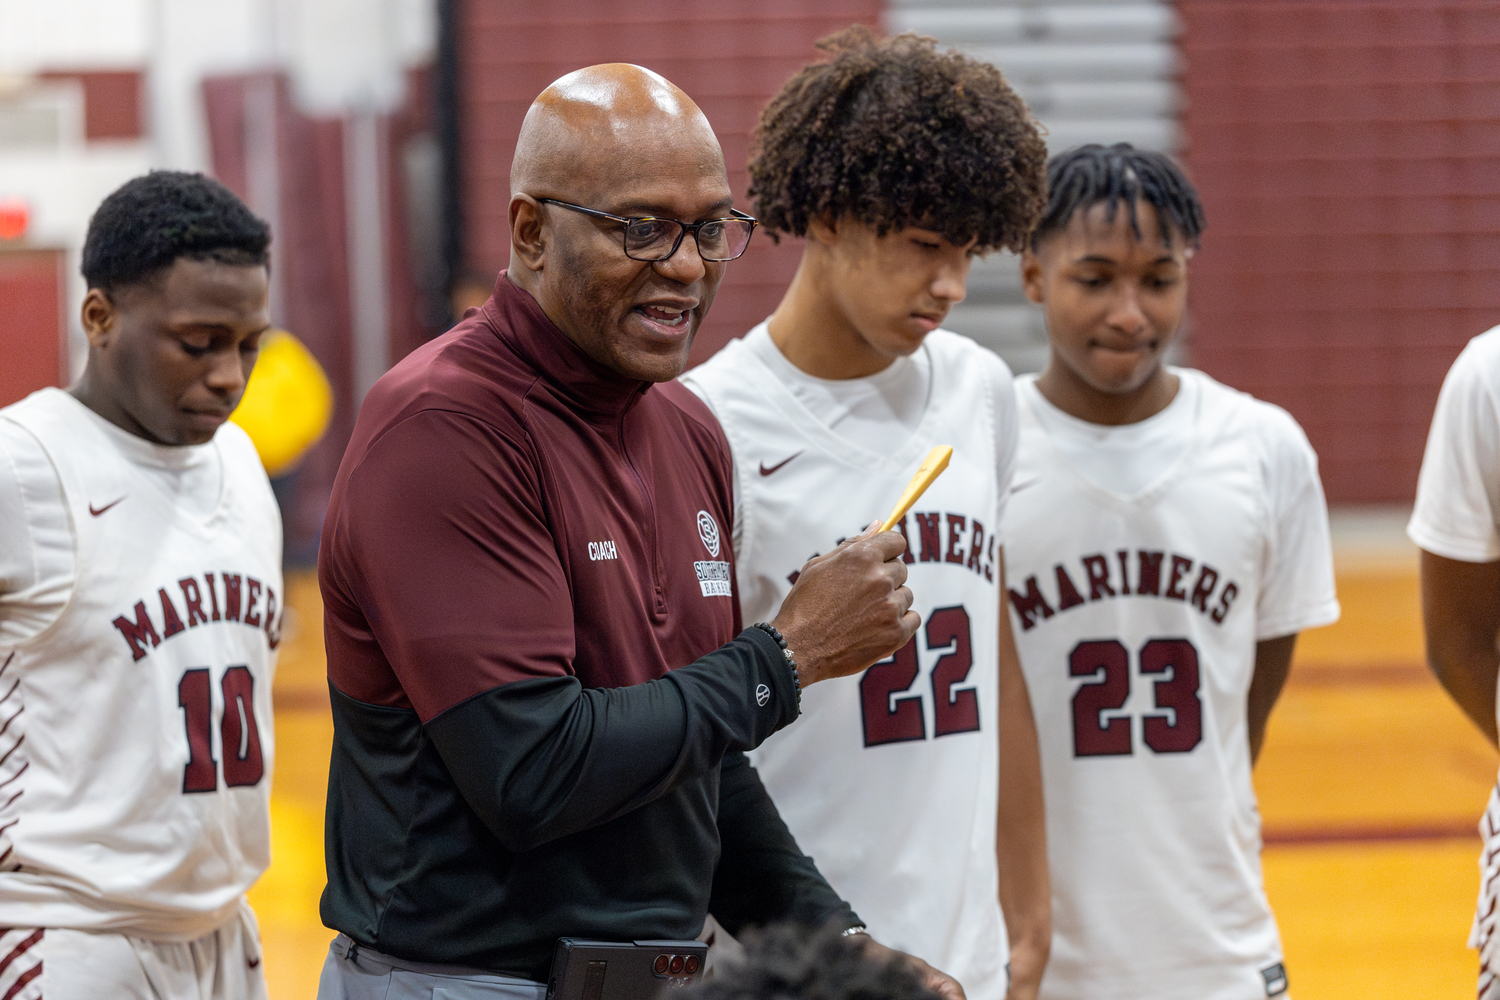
730, 58
309, 241
310, 245
31, 322
113, 102
1346, 153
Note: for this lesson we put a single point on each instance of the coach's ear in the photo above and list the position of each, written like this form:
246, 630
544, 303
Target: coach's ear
528, 232
1031, 276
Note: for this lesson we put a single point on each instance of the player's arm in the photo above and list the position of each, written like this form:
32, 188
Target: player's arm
1461, 616
1021, 828
1297, 589
1273, 661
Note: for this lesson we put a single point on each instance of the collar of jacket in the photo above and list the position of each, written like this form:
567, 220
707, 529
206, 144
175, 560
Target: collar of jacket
588, 386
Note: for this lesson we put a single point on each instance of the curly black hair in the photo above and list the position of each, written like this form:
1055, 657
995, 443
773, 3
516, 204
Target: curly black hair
895, 133
784, 962
150, 221
1119, 174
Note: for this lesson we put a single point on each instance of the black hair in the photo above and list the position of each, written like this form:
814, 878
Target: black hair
150, 221
785, 962
1118, 174
894, 133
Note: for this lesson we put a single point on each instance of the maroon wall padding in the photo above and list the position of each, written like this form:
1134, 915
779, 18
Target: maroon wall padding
1348, 154
311, 250
113, 102
31, 322
729, 57
411, 322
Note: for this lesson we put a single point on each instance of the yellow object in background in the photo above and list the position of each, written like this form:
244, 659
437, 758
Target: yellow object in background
287, 403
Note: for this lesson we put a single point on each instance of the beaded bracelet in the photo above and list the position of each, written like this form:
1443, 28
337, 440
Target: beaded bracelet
791, 661
856, 929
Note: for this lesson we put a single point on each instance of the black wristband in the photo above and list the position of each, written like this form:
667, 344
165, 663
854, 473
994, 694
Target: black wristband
791, 661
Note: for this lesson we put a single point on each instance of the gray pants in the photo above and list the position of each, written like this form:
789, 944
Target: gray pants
354, 972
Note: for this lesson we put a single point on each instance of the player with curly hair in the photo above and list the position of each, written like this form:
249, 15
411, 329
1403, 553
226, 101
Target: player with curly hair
899, 164
140, 571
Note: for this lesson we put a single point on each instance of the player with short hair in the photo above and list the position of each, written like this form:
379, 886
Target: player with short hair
898, 164
140, 589
1168, 539
1456, 522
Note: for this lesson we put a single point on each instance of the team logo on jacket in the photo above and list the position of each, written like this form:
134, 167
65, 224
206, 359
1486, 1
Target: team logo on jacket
713, 574
708, 530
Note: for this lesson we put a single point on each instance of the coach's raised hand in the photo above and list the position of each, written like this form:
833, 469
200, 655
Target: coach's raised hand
849, 608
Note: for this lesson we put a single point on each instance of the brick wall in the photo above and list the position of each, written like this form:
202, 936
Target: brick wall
730, 58
1347, 157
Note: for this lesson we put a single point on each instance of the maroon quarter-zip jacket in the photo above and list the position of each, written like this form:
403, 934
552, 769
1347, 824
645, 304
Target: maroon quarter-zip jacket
534, 663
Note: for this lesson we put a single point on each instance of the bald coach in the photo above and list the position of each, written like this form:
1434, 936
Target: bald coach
541, 686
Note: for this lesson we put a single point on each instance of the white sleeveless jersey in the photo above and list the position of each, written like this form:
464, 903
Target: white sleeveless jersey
135, 731
1137, 619
889, 780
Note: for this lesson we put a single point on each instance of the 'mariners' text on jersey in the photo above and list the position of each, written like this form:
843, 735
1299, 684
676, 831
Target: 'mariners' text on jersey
241, 603
1165, 575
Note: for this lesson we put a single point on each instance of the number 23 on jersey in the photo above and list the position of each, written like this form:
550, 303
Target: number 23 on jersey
1176, 726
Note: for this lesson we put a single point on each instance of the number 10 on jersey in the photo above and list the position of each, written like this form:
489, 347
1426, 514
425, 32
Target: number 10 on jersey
239, 732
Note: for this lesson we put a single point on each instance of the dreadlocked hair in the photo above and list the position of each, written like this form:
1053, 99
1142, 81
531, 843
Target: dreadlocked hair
893, 133
1119, 174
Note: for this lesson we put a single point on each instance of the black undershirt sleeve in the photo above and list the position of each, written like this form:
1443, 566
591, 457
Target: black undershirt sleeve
542, 758
762, 875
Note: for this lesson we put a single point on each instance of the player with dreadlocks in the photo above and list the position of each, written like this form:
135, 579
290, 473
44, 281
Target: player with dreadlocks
898, 164
1166, 541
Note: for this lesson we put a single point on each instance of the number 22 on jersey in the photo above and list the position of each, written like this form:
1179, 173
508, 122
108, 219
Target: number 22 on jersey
891, 716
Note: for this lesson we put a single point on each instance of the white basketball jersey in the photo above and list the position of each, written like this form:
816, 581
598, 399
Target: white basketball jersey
1136, 618
135, 732
889, 779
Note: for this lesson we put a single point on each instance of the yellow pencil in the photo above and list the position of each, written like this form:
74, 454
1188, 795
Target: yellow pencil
932, 467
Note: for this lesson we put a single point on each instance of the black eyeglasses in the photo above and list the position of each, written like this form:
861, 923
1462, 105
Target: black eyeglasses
652, 239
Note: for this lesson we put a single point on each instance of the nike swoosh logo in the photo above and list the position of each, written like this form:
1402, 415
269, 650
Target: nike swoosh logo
96, 511
766, 472
1018, 487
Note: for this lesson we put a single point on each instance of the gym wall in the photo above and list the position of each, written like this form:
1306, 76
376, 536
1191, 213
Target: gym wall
1346, 153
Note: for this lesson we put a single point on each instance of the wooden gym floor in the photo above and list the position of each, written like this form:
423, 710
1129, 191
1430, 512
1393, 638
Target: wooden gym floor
1370, 786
